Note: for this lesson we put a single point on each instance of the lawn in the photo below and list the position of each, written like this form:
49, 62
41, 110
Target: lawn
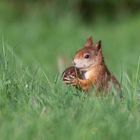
34, 102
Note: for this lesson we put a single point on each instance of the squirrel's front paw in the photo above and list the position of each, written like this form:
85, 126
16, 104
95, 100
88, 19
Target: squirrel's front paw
70, 75
71, 80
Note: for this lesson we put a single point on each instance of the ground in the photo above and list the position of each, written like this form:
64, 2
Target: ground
34, 102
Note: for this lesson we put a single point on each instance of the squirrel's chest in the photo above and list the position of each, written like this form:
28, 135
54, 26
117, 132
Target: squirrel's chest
88, 75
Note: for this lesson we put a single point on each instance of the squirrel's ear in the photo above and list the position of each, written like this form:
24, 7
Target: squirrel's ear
98, 45
89, 42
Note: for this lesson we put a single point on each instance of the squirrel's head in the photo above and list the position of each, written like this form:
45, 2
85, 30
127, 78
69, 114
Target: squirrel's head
88, 56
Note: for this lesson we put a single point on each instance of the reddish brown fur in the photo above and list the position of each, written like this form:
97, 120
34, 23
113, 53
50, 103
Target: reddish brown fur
80, 53
97, 76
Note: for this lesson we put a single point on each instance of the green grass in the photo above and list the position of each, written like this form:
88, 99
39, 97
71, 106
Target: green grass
34, 103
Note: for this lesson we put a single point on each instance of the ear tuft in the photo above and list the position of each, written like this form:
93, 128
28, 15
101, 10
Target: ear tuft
98, 45
89, 42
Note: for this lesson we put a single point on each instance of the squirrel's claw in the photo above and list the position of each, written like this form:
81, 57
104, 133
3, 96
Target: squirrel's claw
71, 80
71, 76
67, 79
67, 82
74, 82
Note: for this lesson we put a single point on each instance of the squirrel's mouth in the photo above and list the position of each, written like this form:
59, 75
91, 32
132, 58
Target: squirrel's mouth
83, 65
84, 68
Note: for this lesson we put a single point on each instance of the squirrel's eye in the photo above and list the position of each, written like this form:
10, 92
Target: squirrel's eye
87, 56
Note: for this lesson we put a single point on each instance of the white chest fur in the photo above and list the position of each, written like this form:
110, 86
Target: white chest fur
86, 75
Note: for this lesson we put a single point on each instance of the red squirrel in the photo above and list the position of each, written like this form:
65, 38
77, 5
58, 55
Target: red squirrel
89, 70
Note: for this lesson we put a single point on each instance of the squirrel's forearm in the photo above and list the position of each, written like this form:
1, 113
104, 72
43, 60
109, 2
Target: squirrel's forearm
84, 84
